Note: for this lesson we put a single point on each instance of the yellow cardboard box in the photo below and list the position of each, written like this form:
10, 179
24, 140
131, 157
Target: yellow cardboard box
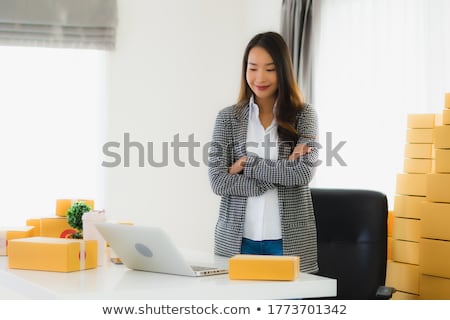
389, 248
411, 184
447, 100
406, 229
403, 276
438, 187
442, 162
442, 137
435, 221
405, 251
418, 165
263, 267
390, 223
9, 233
419, 150
408, 206
446, 117
421, 120
399, 295
52, 254
36, 223
56, 227
419, 135
434, 288
62, 205
435, 257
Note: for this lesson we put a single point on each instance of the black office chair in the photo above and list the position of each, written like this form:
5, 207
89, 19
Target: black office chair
352, 241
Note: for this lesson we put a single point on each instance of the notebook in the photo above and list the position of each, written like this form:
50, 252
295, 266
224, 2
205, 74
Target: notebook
148, 248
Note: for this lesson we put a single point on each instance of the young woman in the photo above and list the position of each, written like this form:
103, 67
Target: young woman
262, 158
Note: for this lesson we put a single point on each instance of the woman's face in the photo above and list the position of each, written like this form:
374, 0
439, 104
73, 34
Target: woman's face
261, 74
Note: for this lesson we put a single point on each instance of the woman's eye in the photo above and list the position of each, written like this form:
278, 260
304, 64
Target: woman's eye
270, 70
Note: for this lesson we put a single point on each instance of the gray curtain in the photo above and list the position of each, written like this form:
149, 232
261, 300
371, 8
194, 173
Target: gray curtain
296, 29
89, 24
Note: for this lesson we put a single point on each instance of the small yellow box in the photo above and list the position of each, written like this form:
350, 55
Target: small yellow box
438, 187
63, 205
406, 229
389, 248
421, 120
419, 150
435, 221
263, 267
405, 251
408, 206
418, 165
399, 295
36, 223
446, 117
9, 233
434, 288
419, 135
447, 100
52, 254
442, 162
390, 223
403, 276
442, 137
435, 257
56, 227
411, 184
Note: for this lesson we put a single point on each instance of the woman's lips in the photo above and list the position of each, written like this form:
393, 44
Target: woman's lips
262, 88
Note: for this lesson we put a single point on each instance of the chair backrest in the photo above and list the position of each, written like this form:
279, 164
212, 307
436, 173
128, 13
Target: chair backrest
352, 239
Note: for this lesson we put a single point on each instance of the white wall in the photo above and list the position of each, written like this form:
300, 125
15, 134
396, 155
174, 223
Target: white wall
177, 63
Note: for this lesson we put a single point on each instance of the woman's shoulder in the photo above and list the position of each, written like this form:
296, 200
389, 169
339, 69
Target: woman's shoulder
229, 113
306, 110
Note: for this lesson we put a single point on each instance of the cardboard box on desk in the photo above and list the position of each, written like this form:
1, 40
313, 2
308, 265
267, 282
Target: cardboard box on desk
412, 184
421, 120
36, 223
438, 185
408, 206
442, 162
446, 117
419, 135
435, 257
9, 233
418, 165
442, 137
447, 101
52, 254
263, 267
434, 288
419, 150
435, 221
56, 227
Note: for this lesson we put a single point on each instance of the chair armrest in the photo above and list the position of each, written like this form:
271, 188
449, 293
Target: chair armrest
384, 293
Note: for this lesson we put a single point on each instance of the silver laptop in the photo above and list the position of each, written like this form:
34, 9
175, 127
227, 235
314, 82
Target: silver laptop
150, 249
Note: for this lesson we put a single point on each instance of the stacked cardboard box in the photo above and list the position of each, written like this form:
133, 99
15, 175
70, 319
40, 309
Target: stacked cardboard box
435, 218
403, 268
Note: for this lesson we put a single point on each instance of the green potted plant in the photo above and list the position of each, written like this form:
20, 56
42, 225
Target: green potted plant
74, 218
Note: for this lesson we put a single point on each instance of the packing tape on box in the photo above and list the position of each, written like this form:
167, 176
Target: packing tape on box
3, 242
82, 255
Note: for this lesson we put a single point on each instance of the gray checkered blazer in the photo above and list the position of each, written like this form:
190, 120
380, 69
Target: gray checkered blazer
259, 175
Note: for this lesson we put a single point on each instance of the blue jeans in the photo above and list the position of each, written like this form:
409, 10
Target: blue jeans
265, 247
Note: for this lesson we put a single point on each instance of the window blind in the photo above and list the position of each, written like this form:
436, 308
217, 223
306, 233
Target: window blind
89, 24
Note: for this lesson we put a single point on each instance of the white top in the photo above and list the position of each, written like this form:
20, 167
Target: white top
262, 219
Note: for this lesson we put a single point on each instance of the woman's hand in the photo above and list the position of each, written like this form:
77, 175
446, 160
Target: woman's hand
299, 150
238, 166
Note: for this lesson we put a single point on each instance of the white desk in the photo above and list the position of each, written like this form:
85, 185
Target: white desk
117, 282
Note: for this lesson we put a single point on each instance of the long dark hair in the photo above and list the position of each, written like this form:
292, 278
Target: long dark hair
289, 96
